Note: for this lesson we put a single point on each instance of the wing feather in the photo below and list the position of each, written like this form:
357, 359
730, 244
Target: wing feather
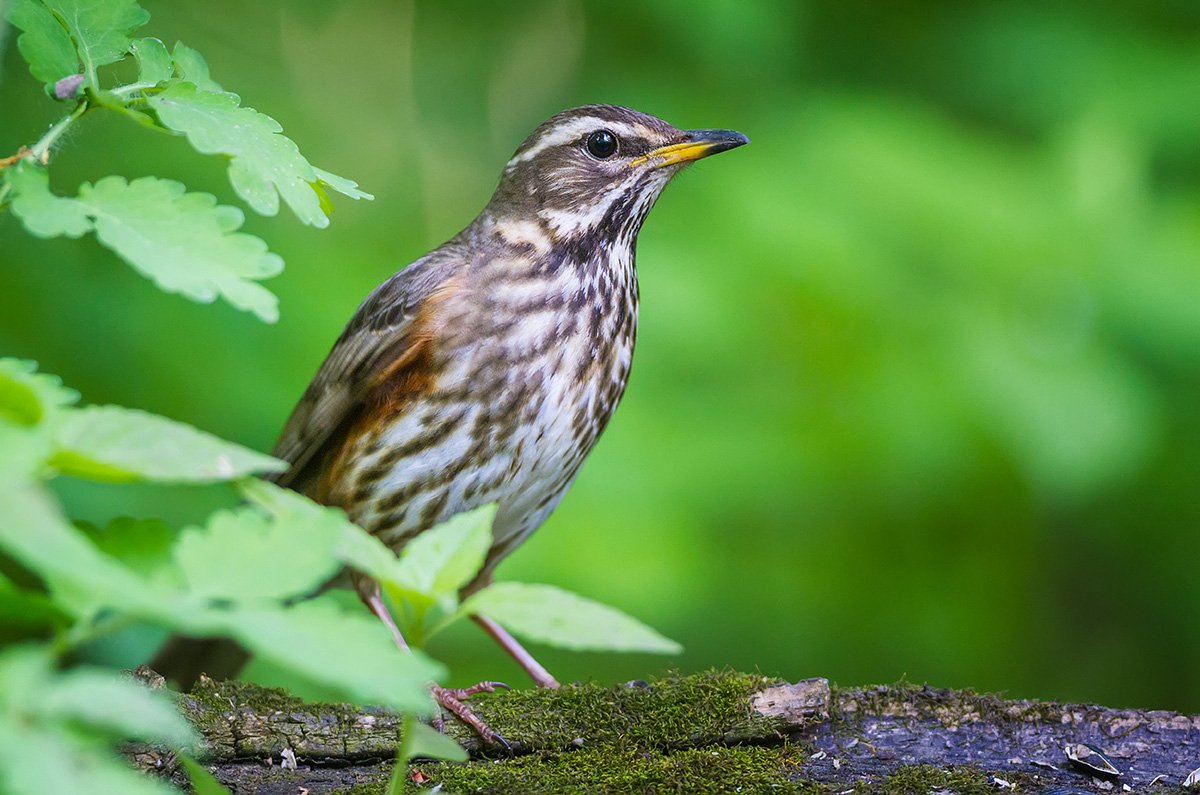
382, 332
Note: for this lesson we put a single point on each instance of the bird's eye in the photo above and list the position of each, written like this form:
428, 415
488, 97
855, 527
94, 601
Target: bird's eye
602, 144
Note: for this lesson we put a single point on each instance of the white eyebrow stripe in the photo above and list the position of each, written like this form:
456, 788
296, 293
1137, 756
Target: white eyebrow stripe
569, 131
571, 220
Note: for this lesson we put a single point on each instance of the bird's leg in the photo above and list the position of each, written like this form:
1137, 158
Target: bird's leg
536, 671
374, 603
451, 699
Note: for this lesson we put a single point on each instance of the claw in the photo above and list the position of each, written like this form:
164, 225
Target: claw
463, 693
452, 701
503, 743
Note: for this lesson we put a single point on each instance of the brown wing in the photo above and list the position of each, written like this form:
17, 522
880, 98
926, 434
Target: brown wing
385, 334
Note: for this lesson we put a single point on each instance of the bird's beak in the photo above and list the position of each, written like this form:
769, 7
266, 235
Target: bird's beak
696, 144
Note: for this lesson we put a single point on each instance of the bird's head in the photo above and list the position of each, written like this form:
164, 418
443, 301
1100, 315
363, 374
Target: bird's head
598, 168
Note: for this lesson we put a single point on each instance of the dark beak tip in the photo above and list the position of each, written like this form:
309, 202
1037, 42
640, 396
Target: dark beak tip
730, 140
721, 140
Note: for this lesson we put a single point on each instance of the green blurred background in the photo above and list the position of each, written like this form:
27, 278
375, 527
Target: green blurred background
916, 385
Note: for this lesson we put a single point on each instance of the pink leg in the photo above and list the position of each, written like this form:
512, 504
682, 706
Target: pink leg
540, 675
450, 699
374, 602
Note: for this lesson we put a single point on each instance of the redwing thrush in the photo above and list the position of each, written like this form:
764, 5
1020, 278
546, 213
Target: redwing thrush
486, 370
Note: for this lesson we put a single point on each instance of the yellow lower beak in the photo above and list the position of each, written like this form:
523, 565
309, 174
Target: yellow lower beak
699, 143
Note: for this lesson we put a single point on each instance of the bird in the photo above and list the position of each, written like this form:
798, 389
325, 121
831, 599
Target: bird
486, 370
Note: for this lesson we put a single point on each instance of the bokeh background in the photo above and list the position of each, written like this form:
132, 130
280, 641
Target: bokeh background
917, 374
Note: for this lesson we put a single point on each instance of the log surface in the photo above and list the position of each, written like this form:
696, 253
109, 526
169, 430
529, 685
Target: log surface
712, 732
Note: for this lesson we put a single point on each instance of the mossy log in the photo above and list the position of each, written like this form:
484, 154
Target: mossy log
713, 732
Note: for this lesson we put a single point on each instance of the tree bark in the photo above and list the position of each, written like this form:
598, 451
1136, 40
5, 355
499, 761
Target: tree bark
712, 732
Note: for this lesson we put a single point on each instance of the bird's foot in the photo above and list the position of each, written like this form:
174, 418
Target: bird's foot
451, 699
463, 693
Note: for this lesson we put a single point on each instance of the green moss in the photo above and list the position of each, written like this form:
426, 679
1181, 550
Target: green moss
671, 712
923, 779
611, 768
217, 697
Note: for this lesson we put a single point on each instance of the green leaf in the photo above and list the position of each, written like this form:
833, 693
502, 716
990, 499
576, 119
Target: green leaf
36, 761
43, 213
120, 708
100, 30
444, 558
100, 98
145, 546
419, 741
154, 62
246, 555
442, 561
45, 44
28, 397
350, 653
560, 618
203, 782
346, 187
328, 535
30, 403
23, 453
24, 677
183, 241
365, 553
34, 533
119, 444
352, 545
265, 165
430, 570
43, 747
26, 613
422, 742
191, 66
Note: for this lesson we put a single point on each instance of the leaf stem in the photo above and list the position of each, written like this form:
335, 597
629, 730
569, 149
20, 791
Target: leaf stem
129, 88
41, 150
